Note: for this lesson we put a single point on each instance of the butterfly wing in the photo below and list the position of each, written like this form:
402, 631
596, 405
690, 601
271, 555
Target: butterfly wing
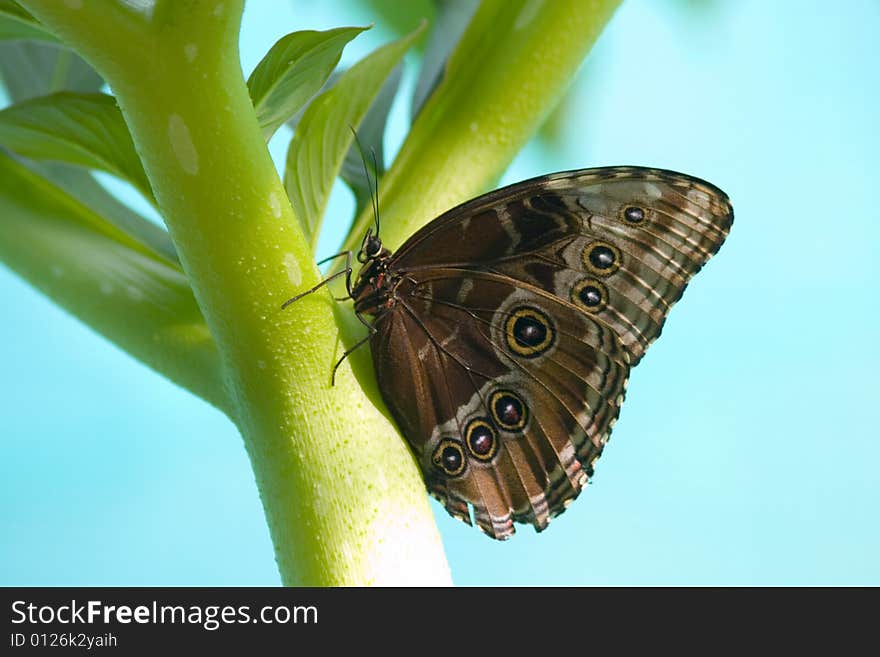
638, 234
511, 427
516, 320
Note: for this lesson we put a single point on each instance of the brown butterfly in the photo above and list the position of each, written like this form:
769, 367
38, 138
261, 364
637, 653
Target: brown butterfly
504, 331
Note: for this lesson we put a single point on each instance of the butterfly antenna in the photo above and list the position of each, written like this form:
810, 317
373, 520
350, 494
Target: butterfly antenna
376, 183
373, 198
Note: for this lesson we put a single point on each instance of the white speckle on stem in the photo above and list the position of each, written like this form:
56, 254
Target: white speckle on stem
145, 7
294, 273
135, 293
474, 126
275, 205
190, 50
527, 14
218, 10
182, 144
106, 287
73, 4
56, 270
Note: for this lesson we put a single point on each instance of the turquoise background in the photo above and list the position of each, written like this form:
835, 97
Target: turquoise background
747, 451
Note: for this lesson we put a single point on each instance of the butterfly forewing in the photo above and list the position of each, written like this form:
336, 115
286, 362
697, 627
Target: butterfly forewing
543, 232
512, 322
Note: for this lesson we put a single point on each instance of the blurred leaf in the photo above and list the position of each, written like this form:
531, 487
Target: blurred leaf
453, 17
106, 279
15, 10
17, 23
402, 17
699, 9
370, 133
323, 136
82, 185
95, 222
30, 69
83, 129
293, 71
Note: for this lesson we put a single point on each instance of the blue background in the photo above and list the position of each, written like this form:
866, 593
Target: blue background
747, 451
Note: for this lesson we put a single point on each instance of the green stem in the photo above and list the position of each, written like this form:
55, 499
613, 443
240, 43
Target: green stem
343, 497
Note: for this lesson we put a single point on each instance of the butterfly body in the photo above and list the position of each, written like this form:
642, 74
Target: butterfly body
504, 331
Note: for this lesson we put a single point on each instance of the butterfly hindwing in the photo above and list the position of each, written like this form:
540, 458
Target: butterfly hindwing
516, 389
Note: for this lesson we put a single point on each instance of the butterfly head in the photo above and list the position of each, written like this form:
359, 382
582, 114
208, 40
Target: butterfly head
371, 247
374, 284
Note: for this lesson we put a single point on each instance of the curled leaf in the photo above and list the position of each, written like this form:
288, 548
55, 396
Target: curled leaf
292, 71
452, 18
323, 136
18, 23
370, 133
82, 129
29, 69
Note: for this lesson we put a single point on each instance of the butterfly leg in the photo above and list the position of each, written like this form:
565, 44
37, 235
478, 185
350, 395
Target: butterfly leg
360, 343
365, 322
348, 272
343, 272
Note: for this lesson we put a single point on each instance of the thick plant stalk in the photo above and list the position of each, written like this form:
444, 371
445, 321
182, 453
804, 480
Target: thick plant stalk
343, 497
344, 500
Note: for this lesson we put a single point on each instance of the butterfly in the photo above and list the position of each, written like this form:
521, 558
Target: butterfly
504, 331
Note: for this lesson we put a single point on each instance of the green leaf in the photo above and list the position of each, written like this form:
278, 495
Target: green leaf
453, 17
38, 69
401, 17
31, 69
370, 133
83, 129
293, 71
106, 279
294, 120
323, 136
106, 214
17, 23
82, 185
